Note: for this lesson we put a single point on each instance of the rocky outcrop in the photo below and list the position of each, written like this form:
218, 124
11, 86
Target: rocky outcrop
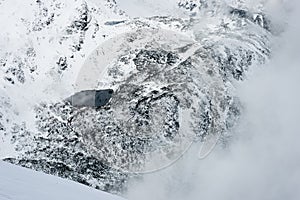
169, 90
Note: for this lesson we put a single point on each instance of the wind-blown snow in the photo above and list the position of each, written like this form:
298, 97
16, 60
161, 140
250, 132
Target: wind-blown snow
17, 183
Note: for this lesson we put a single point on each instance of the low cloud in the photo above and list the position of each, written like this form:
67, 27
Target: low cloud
263, 159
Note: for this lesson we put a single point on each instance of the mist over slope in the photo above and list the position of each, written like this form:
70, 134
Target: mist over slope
181, 74
261, 161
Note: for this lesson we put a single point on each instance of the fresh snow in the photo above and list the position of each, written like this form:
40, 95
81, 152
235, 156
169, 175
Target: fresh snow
17, 183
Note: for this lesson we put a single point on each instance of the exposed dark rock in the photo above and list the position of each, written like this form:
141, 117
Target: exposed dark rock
62, 63
257, 18
112, 23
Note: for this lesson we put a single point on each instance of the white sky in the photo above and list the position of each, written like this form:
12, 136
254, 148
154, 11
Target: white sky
148, 8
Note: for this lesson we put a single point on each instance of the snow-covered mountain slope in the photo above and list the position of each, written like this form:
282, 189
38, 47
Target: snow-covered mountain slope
173, 81
17, 183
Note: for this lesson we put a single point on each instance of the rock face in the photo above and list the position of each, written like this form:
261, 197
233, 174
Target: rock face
172, 81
